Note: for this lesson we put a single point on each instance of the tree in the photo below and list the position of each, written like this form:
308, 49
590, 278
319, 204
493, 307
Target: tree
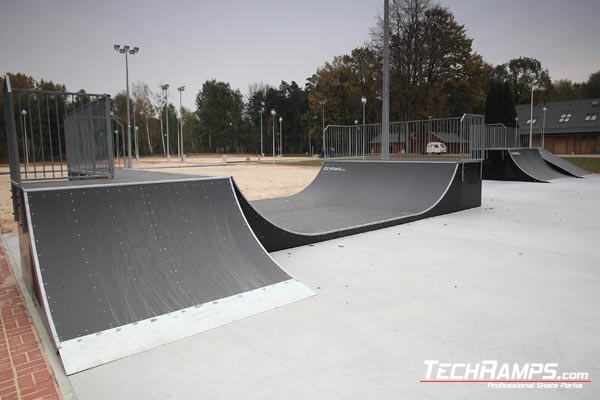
220, 111
518, 72
592, 87
142, 100
500, 104
432, 65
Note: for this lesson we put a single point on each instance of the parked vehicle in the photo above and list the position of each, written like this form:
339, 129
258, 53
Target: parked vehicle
436, 148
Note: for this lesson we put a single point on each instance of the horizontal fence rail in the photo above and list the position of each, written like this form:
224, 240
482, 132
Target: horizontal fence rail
57, 135
421, 139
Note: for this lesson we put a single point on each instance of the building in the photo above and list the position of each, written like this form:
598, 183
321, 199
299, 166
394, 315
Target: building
571, 127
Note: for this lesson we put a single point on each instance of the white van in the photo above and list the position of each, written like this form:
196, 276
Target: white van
436, 148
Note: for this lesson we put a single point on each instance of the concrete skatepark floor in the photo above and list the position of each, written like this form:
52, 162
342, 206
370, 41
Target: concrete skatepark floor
516, 281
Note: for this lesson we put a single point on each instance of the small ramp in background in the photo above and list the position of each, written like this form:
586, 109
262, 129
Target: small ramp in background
121, 267
562, 165
522, 164
349, 197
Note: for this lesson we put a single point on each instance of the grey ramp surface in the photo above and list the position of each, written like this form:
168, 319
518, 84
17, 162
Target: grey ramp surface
126, 268
531, 163
130, 253
348, 194
563, 165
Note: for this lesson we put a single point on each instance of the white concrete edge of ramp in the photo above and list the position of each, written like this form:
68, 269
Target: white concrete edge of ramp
93, 350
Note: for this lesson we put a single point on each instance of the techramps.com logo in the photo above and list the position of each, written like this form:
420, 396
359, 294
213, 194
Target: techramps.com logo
505, 375
336, 169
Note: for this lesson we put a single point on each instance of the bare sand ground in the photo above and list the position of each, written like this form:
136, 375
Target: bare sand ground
257, 180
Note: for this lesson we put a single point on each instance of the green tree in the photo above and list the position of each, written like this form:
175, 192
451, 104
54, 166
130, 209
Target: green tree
518, 72
591, 88
500, 104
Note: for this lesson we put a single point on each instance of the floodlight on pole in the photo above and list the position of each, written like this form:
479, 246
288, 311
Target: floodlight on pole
273, 113
180, 134
261, 111
544, 126
363, 100
533, 82
322, 103
165, 88
125, 50
280, 136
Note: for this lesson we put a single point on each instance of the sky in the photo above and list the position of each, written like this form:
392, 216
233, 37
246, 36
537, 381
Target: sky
186, 42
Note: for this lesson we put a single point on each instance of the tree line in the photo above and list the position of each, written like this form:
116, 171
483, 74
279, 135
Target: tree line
434, 72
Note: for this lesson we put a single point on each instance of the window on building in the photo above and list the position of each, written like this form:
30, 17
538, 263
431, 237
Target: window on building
565, 117
533, 123
591, 117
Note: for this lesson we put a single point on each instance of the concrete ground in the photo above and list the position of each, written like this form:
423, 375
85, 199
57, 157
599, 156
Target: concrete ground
517, 281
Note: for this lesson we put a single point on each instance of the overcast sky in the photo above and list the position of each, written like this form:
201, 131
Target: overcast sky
185, 42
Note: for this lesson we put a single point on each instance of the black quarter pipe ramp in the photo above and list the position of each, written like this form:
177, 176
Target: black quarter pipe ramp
563, 165
349, 197
524, 164
123, 267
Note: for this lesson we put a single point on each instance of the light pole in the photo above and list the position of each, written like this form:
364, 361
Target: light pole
180, 135
363, 100
385, 118
137, 149
261, 111
281, 136
517, 138
165, 87
322, 103
127, 51
533, 81
24, 114
544, 126
273, 113
355, 135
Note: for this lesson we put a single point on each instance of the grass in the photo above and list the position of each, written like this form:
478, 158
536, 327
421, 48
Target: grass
590, 164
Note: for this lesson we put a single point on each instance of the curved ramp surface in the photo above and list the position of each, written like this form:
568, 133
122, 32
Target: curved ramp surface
563, 165
524, 164
125, 268
349, 197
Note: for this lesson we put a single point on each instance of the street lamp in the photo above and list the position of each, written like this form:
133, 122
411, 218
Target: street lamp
363, 100
180, 135
261, 111
280, 136
165, 88
322, 103
24, 114
544, 126
533, 82
273, 113
127, 51
517, 138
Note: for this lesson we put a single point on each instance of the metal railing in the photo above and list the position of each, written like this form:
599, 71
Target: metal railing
59, 135
420, 139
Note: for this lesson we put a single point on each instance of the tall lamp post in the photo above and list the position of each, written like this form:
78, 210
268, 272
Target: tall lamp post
127, 51
273, 113
544, 126
24, 115
281, 136
363, 100
517, 138
323, 102
180, 135
261, 111
533, 81
165, 87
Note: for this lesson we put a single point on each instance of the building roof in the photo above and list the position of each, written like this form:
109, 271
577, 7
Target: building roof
571, 116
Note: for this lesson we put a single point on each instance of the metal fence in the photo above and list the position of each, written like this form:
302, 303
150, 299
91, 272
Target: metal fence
421, 139
57, 135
